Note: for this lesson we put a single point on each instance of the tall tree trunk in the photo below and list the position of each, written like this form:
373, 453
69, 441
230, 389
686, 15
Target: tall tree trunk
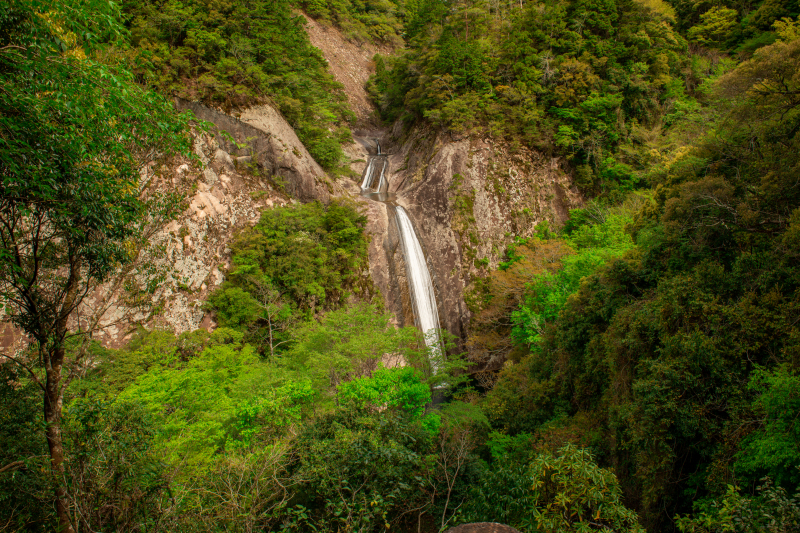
271, 346
52, 417
54, 394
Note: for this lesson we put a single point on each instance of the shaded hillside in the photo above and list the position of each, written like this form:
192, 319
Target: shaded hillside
632, 352
241, 54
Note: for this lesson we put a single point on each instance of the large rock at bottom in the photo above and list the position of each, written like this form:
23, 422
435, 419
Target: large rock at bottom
482, 527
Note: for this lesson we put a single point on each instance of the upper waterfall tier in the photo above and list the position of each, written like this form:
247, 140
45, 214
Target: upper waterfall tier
368, 175
369, 182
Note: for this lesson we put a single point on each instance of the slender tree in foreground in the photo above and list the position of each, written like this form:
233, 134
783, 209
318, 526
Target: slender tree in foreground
73, 133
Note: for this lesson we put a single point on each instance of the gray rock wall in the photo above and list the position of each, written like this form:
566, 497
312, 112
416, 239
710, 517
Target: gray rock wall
262, 139
469, 198
258, 163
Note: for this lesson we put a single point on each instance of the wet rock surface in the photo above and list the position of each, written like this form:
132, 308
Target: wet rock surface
482, 527
469, 198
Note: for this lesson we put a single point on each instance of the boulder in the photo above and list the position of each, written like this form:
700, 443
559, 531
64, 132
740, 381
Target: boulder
482, 527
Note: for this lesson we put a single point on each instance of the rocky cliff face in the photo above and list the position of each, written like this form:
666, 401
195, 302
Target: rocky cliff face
469, 198
250, 163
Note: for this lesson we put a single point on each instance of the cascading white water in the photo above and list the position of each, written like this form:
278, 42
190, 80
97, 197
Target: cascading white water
367, 175
379, 188
366, 183
419, 283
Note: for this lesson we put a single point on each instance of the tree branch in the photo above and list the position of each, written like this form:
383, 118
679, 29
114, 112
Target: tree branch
12, 466
26, 367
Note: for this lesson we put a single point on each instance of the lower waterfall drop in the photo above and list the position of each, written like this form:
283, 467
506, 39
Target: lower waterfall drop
419, 284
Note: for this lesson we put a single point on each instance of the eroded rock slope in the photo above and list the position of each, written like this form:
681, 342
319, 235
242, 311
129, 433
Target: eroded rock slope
469, 198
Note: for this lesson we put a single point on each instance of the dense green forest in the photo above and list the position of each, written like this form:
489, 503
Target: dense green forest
659, 327
651, 345
236, 54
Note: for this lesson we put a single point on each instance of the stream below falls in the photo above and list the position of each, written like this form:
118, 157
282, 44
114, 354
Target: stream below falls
374, 185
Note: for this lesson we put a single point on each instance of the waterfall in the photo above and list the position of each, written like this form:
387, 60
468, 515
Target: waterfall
368, 175
366, 183
419, 282
420, 286
379, 188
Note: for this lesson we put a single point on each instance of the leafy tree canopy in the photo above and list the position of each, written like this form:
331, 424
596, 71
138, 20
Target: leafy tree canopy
237, 54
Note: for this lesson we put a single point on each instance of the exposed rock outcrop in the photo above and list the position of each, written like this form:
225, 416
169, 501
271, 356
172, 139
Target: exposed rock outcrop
257, 163
351, 65
482, 527
261, 140
469, 198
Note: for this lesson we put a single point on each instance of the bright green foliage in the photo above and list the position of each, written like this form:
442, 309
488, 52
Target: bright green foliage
200, 429
376, 21
388, 388
346, 344
363, 469
210, 403
310, 252
236, 54
73, 133
273, 412
595, 243
774, 449
572, 76
715, 26
356, 341
296, 261
528, 291
651, 359
113, 370
564, 492
403, 388
772, 510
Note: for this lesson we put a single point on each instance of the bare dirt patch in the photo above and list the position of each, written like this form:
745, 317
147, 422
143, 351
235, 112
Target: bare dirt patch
350, 63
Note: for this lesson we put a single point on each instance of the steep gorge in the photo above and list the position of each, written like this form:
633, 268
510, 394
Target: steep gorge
468, 199
643, 356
